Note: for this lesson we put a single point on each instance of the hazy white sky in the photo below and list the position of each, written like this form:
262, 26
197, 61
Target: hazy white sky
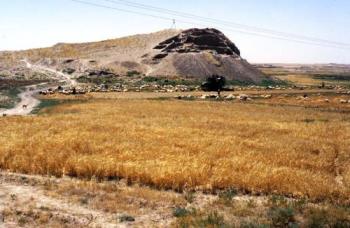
39, 23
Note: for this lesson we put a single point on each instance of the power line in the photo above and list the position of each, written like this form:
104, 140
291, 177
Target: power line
193, 23
225, 23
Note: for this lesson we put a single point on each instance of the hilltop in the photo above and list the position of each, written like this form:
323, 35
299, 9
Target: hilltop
193, 53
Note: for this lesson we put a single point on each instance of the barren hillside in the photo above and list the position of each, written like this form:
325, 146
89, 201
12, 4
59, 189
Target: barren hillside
194, 53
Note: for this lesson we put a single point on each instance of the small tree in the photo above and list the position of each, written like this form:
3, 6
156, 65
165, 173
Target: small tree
214, 83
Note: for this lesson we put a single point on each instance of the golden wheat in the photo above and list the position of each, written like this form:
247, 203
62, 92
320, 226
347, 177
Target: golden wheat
186, 144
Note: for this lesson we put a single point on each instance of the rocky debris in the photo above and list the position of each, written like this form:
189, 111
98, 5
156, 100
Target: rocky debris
125, 218
303, 98
209, 96
68, 61
244, 97
47, 92
185, 97
267, 96
68, 70
160, 56
100, 73
230, 97
342, 101
66, 91
197, 40
204, 96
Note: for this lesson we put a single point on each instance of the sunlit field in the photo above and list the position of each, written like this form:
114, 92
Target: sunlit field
180, 145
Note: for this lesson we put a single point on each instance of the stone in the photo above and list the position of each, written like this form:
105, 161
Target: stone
160, 56
197, 40
126, 218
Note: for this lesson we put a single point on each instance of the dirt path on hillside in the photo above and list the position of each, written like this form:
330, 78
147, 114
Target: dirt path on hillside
27, 98
62, 77
27, 102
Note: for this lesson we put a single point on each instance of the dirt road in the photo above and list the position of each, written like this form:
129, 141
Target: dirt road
28, 101
27, 104
57, 74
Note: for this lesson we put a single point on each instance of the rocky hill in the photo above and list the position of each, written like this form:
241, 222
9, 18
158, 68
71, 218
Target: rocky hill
193, 53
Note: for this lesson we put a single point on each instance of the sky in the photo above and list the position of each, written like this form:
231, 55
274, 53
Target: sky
40, 23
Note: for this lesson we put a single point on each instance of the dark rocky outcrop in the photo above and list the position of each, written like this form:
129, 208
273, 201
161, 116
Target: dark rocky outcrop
200, 53
197, 40
101, 73
68, 70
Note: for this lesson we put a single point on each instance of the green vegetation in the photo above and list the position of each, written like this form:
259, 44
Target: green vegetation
194, 218
133, 73
327, 218
126, 218
270, 82
282, 217
253, 225
100, 80
332, 77
12, 95
228, 195
46, 104
265, 82
180, 212
173, 82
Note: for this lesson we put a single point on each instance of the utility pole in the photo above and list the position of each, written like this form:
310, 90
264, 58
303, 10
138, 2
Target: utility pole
173, 26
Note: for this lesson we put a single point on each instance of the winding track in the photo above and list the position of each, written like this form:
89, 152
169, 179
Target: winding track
28, 101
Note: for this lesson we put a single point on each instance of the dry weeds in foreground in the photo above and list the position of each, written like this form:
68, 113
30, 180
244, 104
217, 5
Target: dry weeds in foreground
186, 144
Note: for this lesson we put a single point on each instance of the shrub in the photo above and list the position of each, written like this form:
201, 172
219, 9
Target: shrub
180, 212
253, 225
228, 195
327, 218
132, 73
126, 218
213, 219
189, 197
282, 216
278, 201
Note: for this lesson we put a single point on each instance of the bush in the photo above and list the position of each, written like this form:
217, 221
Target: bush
189, 197
180, 212
270, 82
278, 201
228, 195
327, 218
213, 219
282, 217
253, 225
132, 73
198, 219
126, 218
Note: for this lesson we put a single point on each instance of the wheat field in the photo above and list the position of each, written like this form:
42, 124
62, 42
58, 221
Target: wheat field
179, 145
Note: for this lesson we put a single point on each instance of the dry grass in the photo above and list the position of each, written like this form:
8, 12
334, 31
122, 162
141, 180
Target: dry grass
179, 144
113, 197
